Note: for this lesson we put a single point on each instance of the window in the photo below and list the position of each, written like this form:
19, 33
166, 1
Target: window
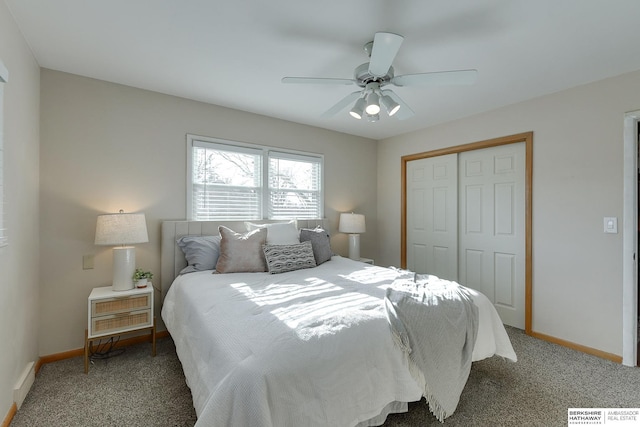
4, 77
233, 181
294, 186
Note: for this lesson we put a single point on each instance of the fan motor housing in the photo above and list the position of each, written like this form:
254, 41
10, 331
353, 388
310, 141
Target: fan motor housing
363, 77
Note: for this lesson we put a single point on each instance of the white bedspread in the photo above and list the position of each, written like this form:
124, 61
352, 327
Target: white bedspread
310, 347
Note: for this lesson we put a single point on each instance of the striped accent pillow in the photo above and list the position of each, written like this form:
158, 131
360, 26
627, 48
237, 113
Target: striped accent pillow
283, 258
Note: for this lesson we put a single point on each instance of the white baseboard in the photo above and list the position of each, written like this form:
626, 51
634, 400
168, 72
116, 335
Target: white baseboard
24, 384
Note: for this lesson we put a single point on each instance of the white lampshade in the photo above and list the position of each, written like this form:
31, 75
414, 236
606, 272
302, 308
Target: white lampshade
358, 109
391, 105
351, 223
119, 230
373, 104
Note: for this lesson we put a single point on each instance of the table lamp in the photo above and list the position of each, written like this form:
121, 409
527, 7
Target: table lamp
122, 230
352, 224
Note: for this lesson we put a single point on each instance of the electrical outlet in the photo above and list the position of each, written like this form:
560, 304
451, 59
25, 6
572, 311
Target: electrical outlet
87, 262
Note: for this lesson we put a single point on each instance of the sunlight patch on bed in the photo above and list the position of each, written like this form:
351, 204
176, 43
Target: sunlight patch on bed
371, 276
281, 293
327, 315
314, 308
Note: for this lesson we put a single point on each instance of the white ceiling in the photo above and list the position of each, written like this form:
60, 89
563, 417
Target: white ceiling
234, 53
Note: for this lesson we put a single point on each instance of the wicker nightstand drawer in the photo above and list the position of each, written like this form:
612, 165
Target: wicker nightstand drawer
120, 321
109, 306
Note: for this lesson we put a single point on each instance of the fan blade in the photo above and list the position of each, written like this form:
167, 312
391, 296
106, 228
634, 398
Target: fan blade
385, 49
404, 112
440, 78
342, 104
317, 80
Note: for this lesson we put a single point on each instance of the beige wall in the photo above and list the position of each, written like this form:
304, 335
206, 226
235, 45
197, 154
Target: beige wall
107, 147
19, 261
577, 180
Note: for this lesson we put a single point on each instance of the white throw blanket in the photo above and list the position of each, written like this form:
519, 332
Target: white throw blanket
435, 322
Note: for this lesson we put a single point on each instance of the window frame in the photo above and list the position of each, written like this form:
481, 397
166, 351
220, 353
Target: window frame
265, 153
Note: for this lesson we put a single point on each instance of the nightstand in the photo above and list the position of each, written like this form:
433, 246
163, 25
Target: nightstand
113, 313
366, 260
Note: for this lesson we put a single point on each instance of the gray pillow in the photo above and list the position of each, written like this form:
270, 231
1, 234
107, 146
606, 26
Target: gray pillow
201, 252
283, 258
241, 253
320, 242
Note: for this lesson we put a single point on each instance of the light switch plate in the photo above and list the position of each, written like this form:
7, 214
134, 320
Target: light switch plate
611, 224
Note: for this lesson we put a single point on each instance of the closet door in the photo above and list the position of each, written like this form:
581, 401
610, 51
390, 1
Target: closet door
432, 218
466, 222
491, 235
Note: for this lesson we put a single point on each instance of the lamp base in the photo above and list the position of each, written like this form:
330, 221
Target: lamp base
354, 246
124, 265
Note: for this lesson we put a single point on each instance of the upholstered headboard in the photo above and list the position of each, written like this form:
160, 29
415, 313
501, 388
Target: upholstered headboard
171, 257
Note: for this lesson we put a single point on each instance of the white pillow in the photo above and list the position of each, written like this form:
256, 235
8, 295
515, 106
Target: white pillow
278, 233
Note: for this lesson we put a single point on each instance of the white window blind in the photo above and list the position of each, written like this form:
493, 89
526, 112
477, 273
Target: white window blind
4, 77
232, 181
294, 186
226, 182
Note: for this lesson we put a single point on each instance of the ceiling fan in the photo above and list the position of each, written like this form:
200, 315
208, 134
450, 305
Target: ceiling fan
374, 75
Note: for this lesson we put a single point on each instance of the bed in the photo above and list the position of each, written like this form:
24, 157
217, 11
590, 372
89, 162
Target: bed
306, 347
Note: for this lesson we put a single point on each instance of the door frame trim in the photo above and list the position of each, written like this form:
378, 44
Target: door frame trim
630, 240
527, 138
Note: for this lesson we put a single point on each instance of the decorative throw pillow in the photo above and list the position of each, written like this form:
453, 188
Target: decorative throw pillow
278, 233
201, 252
283, 258
320, 241
241, 252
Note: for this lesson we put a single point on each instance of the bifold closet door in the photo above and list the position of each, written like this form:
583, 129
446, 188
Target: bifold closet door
466, 222
491, 234
432, 218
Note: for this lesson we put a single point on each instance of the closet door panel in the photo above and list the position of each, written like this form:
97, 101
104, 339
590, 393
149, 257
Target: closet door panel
491, 197
432, 224
505, 280
473, 269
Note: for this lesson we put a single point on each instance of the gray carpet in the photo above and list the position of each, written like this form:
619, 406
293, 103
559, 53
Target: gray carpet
135, 389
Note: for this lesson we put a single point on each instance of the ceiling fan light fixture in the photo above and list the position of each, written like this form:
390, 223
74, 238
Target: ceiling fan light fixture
373, 76
373, 104
390, 105
358, 108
